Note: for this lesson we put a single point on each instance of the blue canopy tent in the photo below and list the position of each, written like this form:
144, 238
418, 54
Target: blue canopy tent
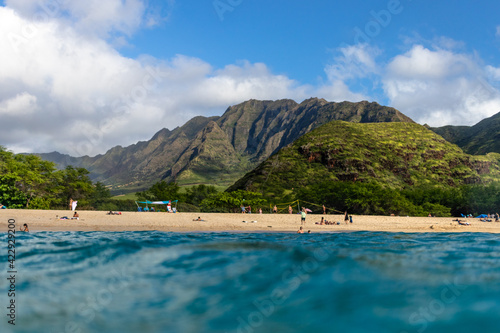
147, 202
482, 216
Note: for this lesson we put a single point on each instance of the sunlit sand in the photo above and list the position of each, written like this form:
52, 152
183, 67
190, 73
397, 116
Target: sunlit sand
49, 220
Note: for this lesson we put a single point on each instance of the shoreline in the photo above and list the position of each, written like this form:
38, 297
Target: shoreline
48, 220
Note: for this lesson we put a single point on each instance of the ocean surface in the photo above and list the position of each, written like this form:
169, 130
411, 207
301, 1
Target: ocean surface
261, 282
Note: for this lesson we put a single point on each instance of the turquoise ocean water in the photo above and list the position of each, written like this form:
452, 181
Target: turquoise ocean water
266, 282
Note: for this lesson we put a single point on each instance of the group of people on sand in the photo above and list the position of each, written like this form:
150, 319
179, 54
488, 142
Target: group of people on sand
490, 217
493, 216
248, 209
303, 214
326, 222
347, 220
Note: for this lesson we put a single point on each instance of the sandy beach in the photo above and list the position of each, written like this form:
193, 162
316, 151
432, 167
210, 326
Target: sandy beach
49, 220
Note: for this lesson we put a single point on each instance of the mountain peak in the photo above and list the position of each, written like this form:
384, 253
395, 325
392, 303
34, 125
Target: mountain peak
228, 146
311, 100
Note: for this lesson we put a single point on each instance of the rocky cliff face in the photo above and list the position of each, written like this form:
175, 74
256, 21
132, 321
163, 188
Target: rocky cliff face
219, 150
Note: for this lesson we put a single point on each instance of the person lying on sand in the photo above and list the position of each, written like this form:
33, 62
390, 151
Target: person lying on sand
75, 217
113, 213
198, 219
462, 222
322, 221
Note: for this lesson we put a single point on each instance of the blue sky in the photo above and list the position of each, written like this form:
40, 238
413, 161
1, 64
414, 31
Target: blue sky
81, 77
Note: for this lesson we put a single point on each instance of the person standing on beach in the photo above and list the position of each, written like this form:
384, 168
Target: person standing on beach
303, 216
324, 210
290, 209
243, 209
346, 217
70, 203
275, 209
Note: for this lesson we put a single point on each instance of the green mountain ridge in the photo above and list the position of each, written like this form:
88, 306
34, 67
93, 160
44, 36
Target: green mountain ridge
392, 155
480, 139
220, 150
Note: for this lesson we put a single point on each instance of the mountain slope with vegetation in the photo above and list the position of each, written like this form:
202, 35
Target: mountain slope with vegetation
219, 150
480, 139
371, 168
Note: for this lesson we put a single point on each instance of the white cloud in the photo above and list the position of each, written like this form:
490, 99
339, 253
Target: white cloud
83, 97
22, 104
94, 17
422, 63
494, 72
64, 87
446, 43
354, 61
351, 64
440, 87
339, 91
